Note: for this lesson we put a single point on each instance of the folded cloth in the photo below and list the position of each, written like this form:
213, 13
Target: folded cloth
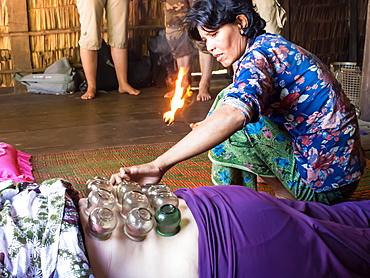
244, 233
14, 165
39, 232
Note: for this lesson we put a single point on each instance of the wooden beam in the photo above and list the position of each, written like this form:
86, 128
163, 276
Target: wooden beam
365, 83
72, 30
18, 22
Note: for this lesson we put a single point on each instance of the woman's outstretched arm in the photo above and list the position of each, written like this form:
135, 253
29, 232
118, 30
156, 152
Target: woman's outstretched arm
215, 129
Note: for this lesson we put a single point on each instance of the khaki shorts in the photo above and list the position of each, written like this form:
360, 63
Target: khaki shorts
273, 13
91, 15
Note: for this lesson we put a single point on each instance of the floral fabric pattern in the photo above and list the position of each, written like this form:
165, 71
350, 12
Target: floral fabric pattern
309, 103
39, 232
264, 148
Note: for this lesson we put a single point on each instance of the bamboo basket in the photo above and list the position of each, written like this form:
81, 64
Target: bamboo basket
349, 75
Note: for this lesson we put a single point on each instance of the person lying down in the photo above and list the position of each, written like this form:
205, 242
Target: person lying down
234, 231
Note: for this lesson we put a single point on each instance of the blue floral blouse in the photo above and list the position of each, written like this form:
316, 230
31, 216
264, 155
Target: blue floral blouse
291, 86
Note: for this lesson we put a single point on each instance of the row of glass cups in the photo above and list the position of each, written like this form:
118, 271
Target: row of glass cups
141, 206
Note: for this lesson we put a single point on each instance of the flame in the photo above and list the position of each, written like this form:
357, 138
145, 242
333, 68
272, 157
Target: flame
178, 99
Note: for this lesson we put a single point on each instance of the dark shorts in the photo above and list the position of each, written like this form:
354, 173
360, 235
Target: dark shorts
177, 37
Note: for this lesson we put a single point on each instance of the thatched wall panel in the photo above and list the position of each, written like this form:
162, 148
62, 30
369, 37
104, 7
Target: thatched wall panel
321, 26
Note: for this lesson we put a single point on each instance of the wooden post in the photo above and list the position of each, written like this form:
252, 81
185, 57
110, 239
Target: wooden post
286, 30
365, 83
18, 22
353, 30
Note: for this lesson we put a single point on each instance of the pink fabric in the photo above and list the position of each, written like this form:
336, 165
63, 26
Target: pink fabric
14, 165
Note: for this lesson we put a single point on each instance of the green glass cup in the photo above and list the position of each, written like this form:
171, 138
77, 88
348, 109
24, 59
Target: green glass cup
168, 218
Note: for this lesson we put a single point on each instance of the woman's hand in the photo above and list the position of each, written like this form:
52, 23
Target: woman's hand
215, 129
142, 174
194, 125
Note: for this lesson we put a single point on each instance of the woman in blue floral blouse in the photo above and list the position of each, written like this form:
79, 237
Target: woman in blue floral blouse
284, 117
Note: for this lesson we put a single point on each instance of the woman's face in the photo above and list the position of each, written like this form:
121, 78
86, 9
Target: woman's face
226, 44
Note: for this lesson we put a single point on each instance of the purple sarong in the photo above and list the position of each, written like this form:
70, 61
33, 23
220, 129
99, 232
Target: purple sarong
244, 233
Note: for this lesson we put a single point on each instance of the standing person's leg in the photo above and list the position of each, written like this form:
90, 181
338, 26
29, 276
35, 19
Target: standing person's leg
117, 19
185, 62
91, 13
206, 62
89, 59
178, 40
120, 60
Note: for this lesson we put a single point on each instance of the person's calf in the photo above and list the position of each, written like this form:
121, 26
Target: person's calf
185, 84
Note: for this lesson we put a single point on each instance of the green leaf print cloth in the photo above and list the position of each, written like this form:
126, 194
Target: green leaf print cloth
39, 231
261, 148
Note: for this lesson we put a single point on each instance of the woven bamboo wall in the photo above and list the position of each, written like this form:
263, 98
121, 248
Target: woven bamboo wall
5, 47
362, 16
322, 27
53, 15
54, 31
145, 18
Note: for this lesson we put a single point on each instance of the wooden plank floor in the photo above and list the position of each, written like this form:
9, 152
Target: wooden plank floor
40, 124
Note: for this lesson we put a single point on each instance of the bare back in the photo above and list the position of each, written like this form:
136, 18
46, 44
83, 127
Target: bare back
156, 256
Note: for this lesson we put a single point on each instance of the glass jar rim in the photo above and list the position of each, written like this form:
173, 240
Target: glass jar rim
167, 209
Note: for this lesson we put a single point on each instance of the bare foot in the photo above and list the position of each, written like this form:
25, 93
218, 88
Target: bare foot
203, 94
90, 94
129, 90
169, 94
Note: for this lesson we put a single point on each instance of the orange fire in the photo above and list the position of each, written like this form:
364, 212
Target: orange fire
178, 99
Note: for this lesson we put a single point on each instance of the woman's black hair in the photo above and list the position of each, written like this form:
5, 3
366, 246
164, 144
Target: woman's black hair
212, 14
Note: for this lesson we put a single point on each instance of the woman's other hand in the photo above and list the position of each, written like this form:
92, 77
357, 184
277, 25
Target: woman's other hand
142, 174
194, 125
